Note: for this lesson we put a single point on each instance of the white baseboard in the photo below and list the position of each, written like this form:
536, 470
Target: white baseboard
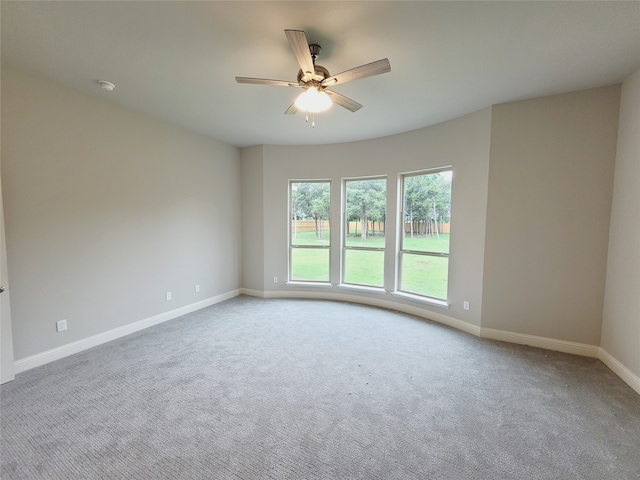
251, 292
574, 348
620, 369
57, 353
378, 302
553, 344
582, 349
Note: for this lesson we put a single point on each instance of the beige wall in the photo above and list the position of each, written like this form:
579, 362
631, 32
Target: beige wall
252, 219
462, 143
106, 210
6, 336
543, 201
550, 188
621, 319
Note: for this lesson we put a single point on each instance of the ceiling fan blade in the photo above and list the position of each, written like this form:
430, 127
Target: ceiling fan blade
291, 110
266, 81
363, 71
300, 46
343, 101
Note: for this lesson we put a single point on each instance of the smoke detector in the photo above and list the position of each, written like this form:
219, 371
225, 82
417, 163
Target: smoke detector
108, 86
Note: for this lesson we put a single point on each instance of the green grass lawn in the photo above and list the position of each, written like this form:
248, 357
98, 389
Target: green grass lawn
311, 265
364, 267
309, 238
427, 243
417, 243
423, 275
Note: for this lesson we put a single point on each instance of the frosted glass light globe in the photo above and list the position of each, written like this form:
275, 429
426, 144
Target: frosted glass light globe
313, 101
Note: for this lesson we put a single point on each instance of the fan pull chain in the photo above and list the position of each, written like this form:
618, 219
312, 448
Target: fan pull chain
313, 118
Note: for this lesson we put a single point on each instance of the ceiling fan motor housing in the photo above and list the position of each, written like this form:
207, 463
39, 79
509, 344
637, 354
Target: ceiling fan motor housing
320, 74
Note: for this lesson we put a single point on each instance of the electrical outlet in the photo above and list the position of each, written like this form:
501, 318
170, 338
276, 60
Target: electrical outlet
197, 288
275, 279
465, 305
61, 325
168, 296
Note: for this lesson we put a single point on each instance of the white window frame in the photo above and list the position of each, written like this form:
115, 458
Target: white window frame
345, 248
401, 238
291, 247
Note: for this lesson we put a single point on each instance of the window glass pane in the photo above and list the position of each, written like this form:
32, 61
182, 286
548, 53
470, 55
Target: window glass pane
427, 212
355, 240
424, 275
310, 264
435, 242
310, 213
366, 208
364, 267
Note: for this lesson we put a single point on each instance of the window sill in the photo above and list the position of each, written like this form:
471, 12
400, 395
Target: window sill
309, 284
432, 302
363, 289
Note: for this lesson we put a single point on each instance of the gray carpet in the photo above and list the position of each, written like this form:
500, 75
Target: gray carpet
303, 389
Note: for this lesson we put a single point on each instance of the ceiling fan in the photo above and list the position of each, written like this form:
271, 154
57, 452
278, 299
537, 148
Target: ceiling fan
315, 79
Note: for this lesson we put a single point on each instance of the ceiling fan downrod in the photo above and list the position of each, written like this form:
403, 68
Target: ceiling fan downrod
314, 49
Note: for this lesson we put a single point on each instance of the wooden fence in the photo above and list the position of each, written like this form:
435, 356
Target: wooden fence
355, 227
309, 225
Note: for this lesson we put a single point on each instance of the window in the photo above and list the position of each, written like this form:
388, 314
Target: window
309, 239
424, 239
363, 247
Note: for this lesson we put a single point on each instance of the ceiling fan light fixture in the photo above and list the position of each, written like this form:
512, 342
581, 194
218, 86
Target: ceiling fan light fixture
313, 100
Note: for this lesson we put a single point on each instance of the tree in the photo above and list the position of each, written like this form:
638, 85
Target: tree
427, 201
415, 198
366, 201
311, 201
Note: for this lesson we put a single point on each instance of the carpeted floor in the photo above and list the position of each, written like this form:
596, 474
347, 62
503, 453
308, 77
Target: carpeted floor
304, 389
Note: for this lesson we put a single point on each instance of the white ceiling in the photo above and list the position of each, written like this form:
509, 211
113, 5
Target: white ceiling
177, 60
